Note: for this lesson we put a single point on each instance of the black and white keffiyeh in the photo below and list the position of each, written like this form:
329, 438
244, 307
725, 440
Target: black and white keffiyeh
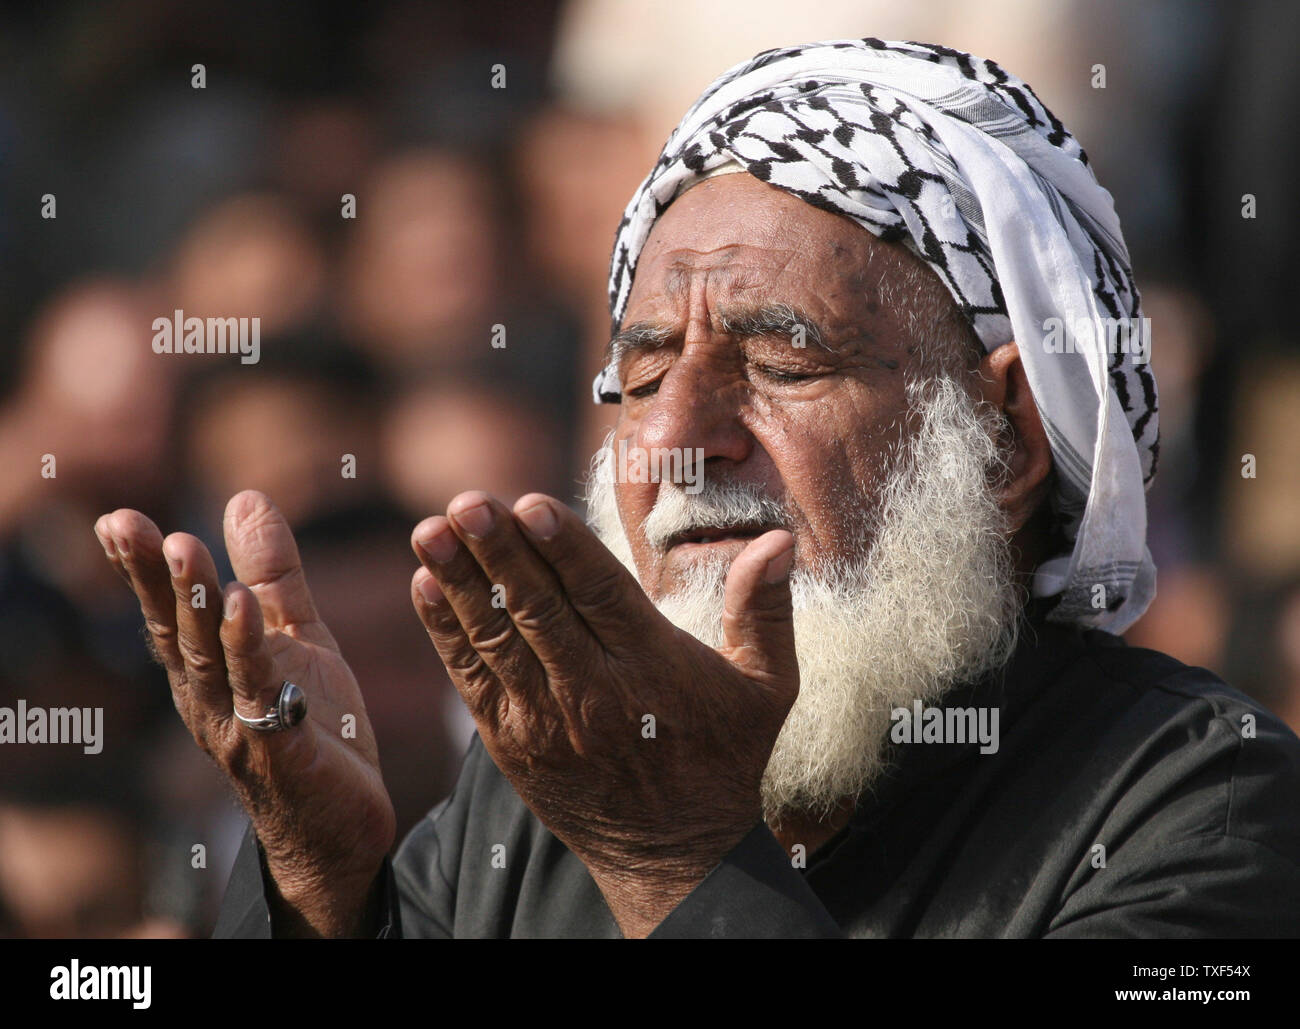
961, 163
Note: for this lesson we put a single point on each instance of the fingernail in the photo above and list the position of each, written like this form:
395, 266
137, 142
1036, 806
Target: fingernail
441, 546
230, 606
540, 520
779, 567
106, 542
430, 590
174, 564
476, 520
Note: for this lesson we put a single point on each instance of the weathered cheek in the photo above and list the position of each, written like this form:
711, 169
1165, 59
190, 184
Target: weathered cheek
832, 461
874, 421
635, 500
807, 462
634, 510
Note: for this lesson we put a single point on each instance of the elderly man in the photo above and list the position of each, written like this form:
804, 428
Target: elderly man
850, 669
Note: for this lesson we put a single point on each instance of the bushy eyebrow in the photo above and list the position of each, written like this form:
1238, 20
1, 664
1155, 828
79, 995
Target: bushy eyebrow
772, 320
781, 319
637, 336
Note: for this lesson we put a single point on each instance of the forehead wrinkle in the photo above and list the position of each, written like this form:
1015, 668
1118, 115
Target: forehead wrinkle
685, 263
689, 275
677, 279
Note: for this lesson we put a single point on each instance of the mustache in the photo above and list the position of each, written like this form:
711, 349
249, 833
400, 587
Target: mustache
720, 505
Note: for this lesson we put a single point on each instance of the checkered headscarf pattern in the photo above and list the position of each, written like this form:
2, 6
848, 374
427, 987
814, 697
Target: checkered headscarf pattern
959, 161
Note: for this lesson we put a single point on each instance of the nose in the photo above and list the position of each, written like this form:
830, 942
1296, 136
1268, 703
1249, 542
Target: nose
698, 405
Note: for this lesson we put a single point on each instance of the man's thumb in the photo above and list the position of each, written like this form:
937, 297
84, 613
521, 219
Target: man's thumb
757, 618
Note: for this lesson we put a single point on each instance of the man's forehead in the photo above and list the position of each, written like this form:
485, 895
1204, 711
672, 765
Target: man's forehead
749, 293
750, 242
740, 219
732, 273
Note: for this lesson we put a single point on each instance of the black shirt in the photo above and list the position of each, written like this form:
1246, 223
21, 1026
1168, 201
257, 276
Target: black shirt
1129, 796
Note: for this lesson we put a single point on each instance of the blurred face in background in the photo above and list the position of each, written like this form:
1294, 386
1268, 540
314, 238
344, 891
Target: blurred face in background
440, 440
95, 396
250, 256
421, 262
68, 872
283, 435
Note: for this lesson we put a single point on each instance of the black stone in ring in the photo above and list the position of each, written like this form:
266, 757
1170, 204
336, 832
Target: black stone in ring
287, 712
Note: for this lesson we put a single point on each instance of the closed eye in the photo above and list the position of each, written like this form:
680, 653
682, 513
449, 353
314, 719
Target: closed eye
775, 374
780, 376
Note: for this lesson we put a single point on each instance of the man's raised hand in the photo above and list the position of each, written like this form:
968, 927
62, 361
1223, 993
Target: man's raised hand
560, 657
316, 799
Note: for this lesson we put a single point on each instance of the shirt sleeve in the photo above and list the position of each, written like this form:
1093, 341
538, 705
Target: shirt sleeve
1216, 887
1205, 843
418, 896
245, 914
754, 892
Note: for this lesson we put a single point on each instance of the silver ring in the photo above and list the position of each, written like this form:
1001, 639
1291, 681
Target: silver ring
285, 713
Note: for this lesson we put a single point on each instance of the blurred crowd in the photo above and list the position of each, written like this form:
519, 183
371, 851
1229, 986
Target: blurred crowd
440, 329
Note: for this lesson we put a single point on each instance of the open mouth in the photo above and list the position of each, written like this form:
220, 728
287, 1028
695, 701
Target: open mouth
713, 534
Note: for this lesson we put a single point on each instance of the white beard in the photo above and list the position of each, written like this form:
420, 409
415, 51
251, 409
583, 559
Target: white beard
930, 603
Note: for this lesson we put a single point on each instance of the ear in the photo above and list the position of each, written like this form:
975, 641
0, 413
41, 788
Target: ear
1002, 382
